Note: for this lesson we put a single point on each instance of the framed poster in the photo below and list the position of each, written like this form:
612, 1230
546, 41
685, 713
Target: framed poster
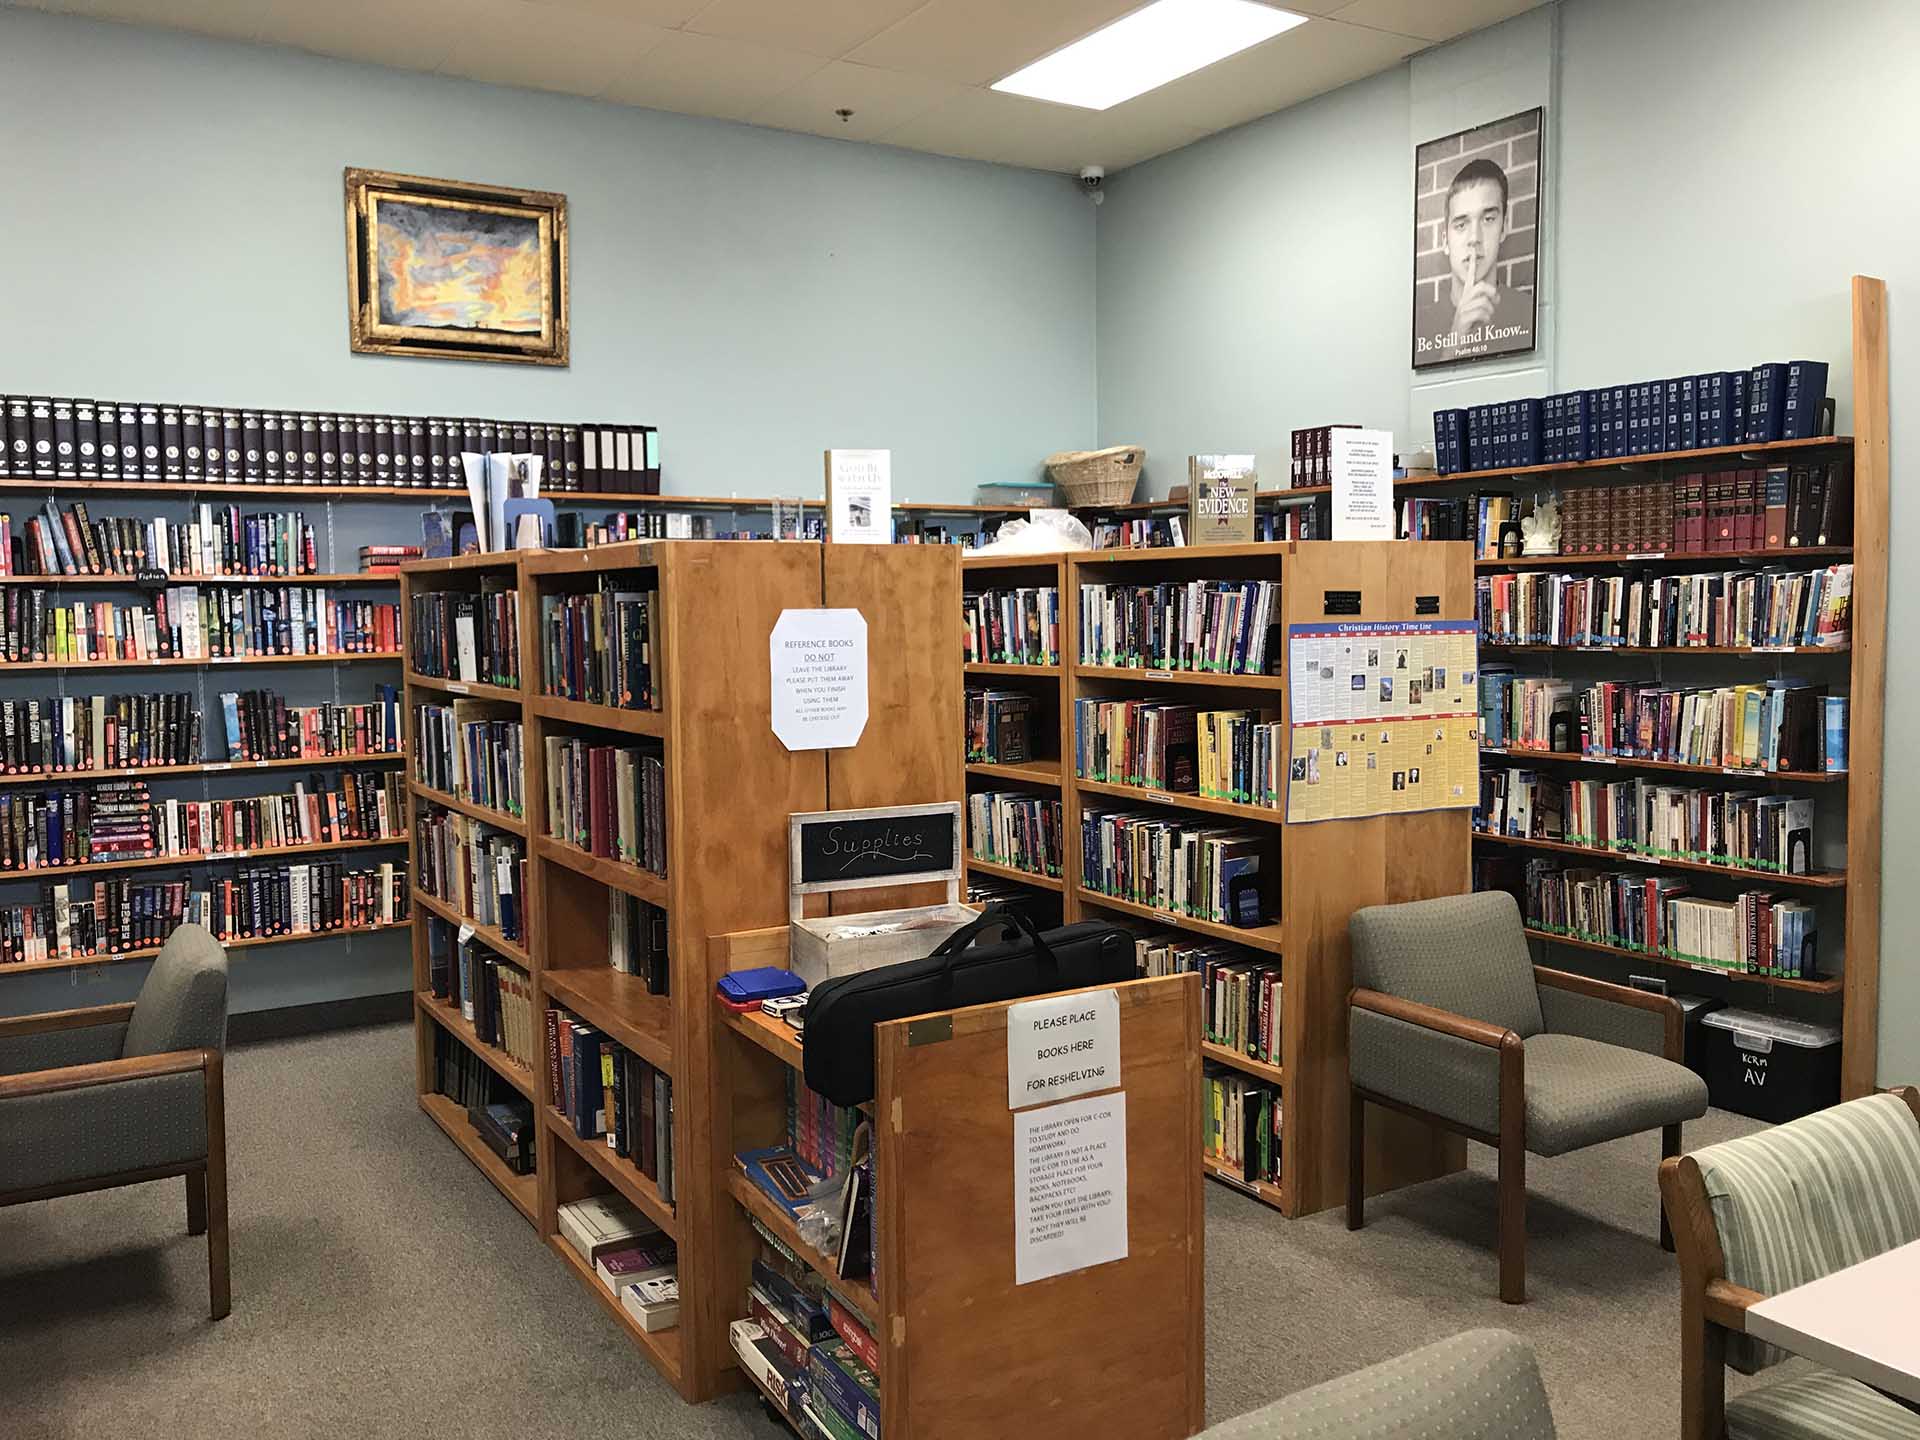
1476, 241
458, 271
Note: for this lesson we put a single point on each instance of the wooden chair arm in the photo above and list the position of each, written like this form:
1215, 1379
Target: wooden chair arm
1726, 1304
1664, 1006
67, 1020
106, 1072
1429, 1017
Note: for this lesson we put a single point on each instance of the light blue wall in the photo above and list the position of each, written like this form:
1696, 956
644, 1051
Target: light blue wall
1716, 172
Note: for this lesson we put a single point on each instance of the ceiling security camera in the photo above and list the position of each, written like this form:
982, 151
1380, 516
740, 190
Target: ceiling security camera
1093, 179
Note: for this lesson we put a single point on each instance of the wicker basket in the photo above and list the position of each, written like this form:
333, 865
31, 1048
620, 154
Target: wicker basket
1098, 477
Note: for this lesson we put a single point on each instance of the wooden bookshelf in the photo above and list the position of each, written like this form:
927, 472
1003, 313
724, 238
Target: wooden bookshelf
1031, 772
464, 689
1761, 454
1815, 985
1744, 651
1525, 756
1216, 680
489, 935
450, 1117
448, 1017
1818, 880
1013, 872
1671, 560
499, 819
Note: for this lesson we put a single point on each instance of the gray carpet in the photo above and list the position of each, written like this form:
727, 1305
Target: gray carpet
382, 1288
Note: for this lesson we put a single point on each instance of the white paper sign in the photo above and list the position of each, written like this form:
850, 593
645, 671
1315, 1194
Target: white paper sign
860, 497
819, 660
1069, 1186
1063, 1045
1362, 462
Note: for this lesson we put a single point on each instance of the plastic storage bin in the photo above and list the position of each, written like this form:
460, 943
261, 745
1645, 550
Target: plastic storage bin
1769, 1067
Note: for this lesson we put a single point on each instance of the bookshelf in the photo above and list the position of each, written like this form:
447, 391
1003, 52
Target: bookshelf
1845, 884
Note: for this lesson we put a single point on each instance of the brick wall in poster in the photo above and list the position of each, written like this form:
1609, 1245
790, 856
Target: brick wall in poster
1513, 145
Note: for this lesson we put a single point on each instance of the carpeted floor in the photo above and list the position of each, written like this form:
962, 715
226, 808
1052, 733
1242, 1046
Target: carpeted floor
382, 1288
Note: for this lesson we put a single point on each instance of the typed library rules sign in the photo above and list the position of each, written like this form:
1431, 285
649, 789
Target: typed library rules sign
819, 664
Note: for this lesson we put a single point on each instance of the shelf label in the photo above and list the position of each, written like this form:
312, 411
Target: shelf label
1062, 1046
1159, 675
1647, 555
818, 660
458, 688
220, 765
1069, 1186
466, 934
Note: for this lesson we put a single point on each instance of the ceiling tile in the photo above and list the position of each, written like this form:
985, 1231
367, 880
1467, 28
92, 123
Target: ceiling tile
546, 47
1430, 19
1308, 60
700, 75
1010, 129
827, 28
667, 14
881, 100
976, 42
414, 36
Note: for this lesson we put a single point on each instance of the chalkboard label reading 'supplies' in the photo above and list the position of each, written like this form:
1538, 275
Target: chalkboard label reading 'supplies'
837, 849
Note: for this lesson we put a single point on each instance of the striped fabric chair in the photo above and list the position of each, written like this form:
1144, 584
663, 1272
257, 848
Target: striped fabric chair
1758, 1216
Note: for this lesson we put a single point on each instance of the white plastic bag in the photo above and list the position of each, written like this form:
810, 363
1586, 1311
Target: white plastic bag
1044, 532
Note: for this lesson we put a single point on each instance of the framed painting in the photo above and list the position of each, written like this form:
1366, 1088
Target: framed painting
454, 270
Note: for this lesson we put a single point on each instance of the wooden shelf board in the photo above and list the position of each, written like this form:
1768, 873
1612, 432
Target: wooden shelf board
1031, 772
857, 1297
662, 1347
460, 564
604, 717
520, 1190
776, 1037
1014, 873
1272, 1074
116, 957
199, 857
499, 819
970, 561
205, 767
488, 935
1261, 937
449, 1019
1821, 986
1709, 558
1628, 762
13, 667
1181, 677
617, 874
1819, 880
469, 689
619, 1004
1632, 462
991, 667
1261, 814
32, 484
624, 555
1259, 1189
620, 1173
1743, 650
1254, 550
349, 577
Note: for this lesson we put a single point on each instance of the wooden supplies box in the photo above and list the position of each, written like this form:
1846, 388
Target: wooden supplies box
836, 850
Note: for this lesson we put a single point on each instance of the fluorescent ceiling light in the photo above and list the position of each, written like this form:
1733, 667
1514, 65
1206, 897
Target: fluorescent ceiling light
1147, 49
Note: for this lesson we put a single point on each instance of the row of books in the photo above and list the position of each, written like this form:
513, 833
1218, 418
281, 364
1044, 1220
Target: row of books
1460, 517
119, 820
610, 800
453, 635
387, 559
500, 1117
60, 438
1773, 401
1718, 610
1784, 507
809, 1354
478, 870
186, 622
63, 733
999, 726
218, 541
637, 941
1240, 998
493, 995
1783, 724
1242, 1124
261, 725
469, 751
1735, 828
1018, 626
1227, 627
608, 1092
820, 1132
77, 918
1166, 745
600, 647
627, 1253
1174, 866
1015, 828
1752, 934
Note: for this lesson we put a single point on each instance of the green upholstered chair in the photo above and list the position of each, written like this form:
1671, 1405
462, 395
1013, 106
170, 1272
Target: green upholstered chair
119, 1094
1481, 1385
1764, 1214
1452, 1023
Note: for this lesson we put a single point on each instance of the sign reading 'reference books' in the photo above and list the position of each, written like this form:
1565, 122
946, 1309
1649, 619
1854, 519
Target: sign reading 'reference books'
1220, 499
860, 497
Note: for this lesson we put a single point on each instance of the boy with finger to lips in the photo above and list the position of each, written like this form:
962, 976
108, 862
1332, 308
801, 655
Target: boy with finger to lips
1472, 310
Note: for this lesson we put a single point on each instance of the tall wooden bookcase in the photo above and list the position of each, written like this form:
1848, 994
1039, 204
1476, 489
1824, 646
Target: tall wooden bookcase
1849, 803
1326, 871
730, 787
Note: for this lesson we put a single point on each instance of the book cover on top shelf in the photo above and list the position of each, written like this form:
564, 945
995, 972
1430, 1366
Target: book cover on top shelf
1220, 499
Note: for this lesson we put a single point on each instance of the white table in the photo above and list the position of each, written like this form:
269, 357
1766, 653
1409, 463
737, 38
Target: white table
1858, 1321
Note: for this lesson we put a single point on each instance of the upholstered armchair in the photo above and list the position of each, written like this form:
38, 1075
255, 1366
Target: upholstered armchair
1770, 1212
1482, 1384
1451, 1022
119, 1094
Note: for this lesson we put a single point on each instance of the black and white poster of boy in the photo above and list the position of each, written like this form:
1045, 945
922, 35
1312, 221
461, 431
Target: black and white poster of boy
1476, 241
